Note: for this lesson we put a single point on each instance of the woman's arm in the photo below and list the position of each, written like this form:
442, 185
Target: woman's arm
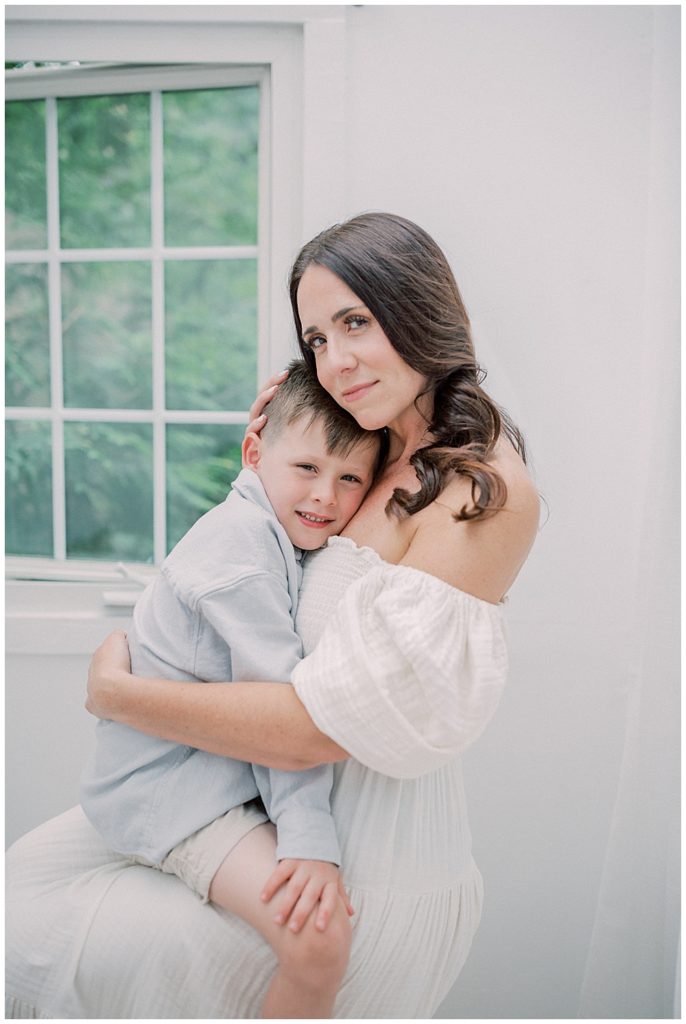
264, 723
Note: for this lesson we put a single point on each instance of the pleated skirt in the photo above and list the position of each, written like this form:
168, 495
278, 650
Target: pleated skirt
91, 935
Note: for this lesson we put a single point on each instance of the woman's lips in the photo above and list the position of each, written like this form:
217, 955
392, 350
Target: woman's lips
359, 391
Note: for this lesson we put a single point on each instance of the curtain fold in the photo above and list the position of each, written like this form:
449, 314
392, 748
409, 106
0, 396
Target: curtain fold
632, 966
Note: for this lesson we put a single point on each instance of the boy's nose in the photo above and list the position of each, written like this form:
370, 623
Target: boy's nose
324, 492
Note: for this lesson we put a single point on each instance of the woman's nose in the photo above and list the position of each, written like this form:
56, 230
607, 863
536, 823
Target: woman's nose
340, 355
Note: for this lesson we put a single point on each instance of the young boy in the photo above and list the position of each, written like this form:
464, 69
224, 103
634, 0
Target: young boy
223, 608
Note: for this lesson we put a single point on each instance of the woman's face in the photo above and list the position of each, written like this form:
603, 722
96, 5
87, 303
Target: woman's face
355, 361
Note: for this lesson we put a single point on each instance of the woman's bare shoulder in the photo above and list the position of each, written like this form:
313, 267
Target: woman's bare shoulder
523, 498
484, 557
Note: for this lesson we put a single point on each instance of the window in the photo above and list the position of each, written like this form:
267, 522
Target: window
136, 270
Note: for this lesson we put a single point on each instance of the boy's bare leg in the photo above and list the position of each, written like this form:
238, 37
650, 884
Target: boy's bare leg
311, 962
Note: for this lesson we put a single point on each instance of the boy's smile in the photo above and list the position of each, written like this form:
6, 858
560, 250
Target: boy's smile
313, 492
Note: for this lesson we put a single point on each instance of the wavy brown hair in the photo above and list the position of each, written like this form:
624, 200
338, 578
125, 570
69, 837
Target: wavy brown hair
403, 277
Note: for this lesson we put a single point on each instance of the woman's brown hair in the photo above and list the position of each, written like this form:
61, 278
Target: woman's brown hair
403, 277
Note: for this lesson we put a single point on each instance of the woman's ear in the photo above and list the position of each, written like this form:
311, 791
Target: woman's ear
250, 450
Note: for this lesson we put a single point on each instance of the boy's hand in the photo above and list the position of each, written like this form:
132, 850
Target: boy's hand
305, 885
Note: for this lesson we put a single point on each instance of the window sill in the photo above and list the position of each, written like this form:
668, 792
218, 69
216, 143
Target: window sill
50, 570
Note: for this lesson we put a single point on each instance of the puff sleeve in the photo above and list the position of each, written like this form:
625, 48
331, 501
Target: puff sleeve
407, 673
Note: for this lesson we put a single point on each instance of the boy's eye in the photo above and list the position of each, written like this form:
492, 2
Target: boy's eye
307, 466
351, 478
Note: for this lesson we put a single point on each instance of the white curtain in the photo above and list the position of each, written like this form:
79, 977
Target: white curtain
632, 968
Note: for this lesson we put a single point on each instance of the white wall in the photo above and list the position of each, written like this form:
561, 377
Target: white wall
50, 631
540, 146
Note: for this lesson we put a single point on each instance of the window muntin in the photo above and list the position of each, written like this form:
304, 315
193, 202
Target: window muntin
132, 342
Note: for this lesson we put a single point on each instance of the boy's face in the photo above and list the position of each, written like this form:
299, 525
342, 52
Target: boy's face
313, 493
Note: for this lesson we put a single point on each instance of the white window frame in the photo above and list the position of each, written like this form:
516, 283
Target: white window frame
300, 51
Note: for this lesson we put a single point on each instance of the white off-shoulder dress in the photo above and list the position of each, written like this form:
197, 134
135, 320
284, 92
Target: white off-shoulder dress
405, 672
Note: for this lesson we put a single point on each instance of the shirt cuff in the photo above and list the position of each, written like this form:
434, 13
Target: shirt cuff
307, 835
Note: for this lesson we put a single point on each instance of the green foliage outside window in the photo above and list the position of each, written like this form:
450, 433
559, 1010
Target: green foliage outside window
27, 335
211, 310
210, 167
108, 469
104, 162
25, 188
28, 488
200, 459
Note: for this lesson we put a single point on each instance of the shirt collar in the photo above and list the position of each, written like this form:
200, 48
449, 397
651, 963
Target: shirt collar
250, 487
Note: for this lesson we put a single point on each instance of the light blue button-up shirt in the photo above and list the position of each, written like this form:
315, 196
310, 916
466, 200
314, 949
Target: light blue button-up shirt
222, 608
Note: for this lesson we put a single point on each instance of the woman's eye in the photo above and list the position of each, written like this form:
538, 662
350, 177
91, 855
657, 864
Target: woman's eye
356, 322
314, 342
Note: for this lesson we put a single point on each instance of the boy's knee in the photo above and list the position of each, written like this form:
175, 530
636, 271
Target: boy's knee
320, 958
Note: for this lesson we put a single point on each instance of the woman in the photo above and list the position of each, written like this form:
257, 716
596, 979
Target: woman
403, 625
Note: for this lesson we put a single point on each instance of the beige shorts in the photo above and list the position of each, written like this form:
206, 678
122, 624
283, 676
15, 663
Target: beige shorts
197, 859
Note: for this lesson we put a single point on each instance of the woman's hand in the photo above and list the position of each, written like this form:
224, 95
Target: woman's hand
258, 416
109, 664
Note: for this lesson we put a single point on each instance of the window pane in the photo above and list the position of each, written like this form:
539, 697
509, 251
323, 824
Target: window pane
25, 189
108, 470
104, 160
28, 488
210, 154
107, 335
211, 325
202, 461
27, 335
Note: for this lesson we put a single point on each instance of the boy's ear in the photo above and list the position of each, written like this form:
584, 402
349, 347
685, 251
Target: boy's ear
250, 450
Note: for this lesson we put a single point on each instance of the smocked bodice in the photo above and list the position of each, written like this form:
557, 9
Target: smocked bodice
327, 574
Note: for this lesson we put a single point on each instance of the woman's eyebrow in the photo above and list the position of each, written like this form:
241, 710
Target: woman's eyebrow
334, 318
